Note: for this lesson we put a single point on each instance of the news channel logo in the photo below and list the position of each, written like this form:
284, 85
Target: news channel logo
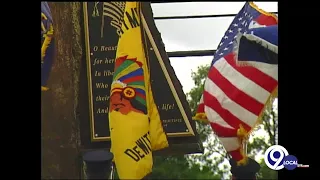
277, 157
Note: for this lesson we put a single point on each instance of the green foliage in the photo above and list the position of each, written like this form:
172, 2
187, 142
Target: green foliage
212, 164
195, 94
178, 167
266, 173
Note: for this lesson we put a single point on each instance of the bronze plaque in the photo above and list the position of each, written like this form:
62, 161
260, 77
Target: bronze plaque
101, 26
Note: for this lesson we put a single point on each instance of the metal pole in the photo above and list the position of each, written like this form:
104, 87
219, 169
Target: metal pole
158, 2
198, 16
245, 147
112, 171
191, 53
193, 16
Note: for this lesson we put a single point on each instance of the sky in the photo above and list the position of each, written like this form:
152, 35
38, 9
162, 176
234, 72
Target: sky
198, 34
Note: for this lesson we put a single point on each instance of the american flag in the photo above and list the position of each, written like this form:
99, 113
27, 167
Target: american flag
234, 96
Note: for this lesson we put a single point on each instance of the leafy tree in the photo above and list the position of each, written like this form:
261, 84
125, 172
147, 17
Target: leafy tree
215, 155
178, 167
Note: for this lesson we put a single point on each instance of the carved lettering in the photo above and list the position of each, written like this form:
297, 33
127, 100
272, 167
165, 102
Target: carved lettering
97, 73
109, 61
108, 73
167, 107
102, 85
102, 98
97, 61
172, 121
108, 48
104, 48
103, 110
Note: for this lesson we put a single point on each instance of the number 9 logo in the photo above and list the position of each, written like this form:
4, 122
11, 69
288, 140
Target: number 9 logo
274, 155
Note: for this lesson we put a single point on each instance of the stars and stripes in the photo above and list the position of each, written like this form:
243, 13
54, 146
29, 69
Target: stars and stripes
234, 96
239, 24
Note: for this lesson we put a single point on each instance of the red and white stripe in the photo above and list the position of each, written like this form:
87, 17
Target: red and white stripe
235, 95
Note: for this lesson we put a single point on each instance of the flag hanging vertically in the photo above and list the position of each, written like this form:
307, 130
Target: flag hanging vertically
235, 96
47, 44
135, 125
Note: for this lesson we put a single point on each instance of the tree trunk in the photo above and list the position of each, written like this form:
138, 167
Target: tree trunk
59, 109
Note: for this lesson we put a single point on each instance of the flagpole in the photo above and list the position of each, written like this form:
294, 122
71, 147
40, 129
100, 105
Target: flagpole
111, 177
245, 147
102, 25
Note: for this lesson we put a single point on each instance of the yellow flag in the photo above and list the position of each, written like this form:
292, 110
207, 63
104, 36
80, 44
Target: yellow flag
134, 120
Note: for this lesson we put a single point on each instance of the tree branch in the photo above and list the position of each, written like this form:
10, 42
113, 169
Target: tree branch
267, 126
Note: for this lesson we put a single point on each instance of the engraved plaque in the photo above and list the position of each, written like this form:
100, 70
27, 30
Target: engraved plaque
101, 31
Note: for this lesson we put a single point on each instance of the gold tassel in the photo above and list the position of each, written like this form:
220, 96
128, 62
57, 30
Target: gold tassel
44, 16
244, 160
42, 25
262, 11
267, 105
201, 117
44, 88
46, 42
242, 135
45, 45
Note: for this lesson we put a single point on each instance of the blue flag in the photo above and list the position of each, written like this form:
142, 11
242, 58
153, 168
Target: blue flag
258, 47
47, 44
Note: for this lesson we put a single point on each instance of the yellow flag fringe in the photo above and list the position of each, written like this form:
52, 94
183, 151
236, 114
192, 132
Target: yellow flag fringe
47, 41
44, 47
243, 135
